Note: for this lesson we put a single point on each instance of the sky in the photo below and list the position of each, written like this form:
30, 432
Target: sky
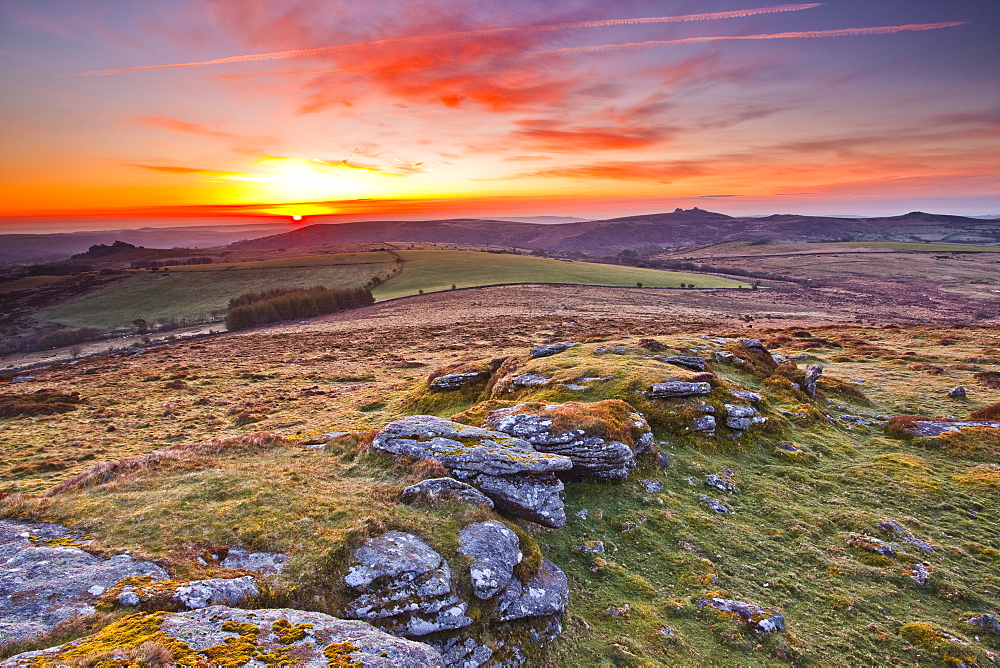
188, 110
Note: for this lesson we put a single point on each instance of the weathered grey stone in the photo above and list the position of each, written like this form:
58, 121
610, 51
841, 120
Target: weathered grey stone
592, 455
722, 482
593, 546
664, 460
529, 380
935, 428
463, 651
677, 388
753, 343
652, 486
531, 497
202, 629
545, 594
41, 586
267, 563
445, 488
704, 424
400, 583
752, 397
714, 505
742, 418
460, 447
454, 381
215, 591
761, 620
689, 362
919, 573
519, 479
899, 531
957, 392
495, 551
988, 622
724, 356
552, 348
813, 372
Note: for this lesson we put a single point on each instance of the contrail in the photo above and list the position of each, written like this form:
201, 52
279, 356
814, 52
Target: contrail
363, 46
844, 32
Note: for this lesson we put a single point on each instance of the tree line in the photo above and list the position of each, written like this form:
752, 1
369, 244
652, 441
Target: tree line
259, 308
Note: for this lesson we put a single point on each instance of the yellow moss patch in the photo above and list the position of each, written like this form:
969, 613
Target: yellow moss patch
338, 655
971, 442
984, 475
287, 632
126, 633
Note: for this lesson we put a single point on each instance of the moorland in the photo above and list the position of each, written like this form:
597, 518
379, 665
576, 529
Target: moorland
106, 442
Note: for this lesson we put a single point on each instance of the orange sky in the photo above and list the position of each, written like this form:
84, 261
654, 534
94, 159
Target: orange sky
448, 108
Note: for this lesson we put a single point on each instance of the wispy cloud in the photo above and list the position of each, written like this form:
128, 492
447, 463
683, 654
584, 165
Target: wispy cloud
184, 127
465, 34
805, 34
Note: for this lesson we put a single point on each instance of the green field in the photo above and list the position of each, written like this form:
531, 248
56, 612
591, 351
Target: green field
434, 271
201, 289
929, 247
198, 290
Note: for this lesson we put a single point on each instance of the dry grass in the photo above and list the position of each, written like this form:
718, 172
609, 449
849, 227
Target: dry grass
188, 454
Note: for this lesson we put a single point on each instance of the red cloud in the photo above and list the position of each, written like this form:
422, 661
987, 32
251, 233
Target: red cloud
548, 135
657, 171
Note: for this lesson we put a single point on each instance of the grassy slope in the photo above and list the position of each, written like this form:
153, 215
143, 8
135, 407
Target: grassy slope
434, 271
784, 546
198, 290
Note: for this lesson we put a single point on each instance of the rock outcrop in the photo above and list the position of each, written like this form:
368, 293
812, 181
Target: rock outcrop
221, 635
44, 580
601, 438
403, 584
519, 479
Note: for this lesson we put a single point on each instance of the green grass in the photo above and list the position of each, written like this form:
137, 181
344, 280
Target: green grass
330, 260
196, 291
435, 271
929, 247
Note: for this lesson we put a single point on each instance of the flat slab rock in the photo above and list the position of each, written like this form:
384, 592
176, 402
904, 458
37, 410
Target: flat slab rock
934, 428
677, 388
435, 489
519, 479
592, 455
42, 585
202, 629
266, 563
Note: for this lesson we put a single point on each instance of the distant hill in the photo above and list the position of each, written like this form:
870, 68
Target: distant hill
682, 227
17, 249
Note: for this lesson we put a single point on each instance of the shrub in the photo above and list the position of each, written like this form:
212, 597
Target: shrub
259, 308
43, 402
988, 413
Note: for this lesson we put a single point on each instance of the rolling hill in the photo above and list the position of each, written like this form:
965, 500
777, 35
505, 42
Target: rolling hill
675, 229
